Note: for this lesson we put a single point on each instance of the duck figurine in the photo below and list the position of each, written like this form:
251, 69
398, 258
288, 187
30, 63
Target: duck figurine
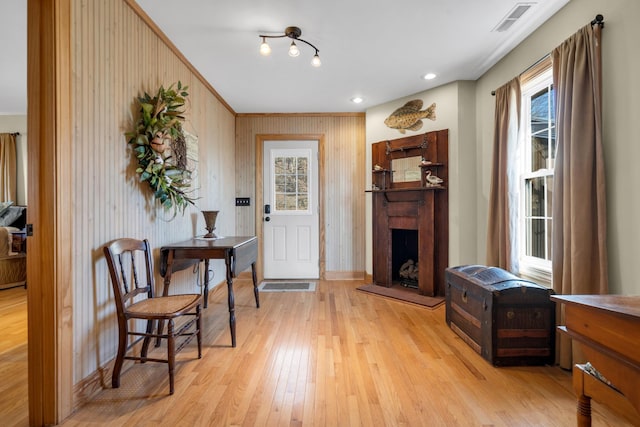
432, 180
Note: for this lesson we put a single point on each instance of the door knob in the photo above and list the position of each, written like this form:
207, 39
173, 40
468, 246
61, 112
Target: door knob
267, 219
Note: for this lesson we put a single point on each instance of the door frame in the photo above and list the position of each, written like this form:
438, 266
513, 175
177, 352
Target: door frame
49, 290
260, 139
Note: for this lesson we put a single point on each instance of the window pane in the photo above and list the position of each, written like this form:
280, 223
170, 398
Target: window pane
303, 203
302, 165
278, 165
549, 195
527, 197
540, 107
552, 141
535, 196
542, 129
280, 179
291, 202
549, 225
290, 164
290, 184
539, 152
302, 184
552, 105
536, 238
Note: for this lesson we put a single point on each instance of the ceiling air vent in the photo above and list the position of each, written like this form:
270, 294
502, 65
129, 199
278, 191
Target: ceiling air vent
515, 14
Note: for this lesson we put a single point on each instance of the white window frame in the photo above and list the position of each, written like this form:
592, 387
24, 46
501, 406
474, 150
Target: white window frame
531, 267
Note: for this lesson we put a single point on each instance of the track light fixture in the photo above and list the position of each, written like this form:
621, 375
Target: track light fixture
294, 34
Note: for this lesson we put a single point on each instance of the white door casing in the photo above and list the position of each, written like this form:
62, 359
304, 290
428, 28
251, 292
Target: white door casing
291, 228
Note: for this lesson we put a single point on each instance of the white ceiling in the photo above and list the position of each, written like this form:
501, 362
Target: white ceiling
374, 49
13, 59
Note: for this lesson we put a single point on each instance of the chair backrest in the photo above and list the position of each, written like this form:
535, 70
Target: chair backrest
131, 270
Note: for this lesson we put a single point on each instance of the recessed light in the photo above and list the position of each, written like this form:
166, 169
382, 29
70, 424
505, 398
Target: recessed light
357, 100
429, 76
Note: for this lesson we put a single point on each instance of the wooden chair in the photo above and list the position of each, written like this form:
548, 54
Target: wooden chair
134, 297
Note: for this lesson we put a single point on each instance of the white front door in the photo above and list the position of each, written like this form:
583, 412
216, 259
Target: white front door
291, 248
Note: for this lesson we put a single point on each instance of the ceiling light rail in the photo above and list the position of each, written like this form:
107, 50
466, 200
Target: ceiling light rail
294, 34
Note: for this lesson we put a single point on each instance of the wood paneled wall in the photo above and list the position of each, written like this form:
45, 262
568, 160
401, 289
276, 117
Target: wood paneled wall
117, 57
343, 184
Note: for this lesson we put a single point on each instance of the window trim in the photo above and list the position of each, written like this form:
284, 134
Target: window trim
535, 79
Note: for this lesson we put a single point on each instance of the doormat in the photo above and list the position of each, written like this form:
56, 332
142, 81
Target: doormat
403, 294
287, 287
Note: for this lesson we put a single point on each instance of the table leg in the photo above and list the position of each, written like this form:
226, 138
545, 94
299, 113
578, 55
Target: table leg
206, 282
167, 275
165, 291
255, 284
584, 411
232, 309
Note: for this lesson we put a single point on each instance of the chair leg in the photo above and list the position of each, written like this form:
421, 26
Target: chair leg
171, 353
160, 330
122, 349
199, 334
147, 339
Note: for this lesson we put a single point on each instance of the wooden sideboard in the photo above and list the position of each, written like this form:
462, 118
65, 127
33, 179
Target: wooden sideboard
410, 215
608, 329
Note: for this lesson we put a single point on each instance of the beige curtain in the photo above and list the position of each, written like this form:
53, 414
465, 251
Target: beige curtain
7, 167
502, 223
579, 235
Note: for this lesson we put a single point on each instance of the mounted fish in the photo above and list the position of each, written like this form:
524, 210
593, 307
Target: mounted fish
409, 116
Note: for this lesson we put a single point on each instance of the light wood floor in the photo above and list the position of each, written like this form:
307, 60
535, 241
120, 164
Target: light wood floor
13, 357
334, 357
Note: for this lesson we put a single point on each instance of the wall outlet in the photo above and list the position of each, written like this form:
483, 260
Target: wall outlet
243, 201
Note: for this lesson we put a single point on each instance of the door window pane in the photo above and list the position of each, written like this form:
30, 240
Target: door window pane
291, 183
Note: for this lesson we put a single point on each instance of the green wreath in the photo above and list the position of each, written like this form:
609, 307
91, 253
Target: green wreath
159, 145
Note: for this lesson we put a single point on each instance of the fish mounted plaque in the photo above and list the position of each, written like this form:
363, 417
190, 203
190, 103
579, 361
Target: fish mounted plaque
410, 115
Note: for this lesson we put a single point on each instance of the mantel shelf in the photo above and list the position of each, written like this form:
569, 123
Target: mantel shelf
398, 190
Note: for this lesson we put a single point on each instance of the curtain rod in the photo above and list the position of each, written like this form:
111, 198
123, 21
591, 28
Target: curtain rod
16, 134
598, 20
493, 92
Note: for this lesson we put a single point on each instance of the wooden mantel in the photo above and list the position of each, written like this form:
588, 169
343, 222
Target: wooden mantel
413, 206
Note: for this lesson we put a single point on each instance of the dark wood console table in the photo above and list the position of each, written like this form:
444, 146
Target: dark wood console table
238, 253
607, 326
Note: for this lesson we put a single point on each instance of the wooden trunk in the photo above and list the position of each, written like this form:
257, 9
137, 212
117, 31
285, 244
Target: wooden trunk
507, 320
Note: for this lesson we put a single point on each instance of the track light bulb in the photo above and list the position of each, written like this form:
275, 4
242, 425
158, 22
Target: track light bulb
265, 49
292, 33
293, 50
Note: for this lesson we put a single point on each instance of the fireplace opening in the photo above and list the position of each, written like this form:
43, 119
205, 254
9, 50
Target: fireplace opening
404, 256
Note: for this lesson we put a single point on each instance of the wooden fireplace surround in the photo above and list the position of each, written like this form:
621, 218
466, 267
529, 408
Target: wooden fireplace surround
411, 205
